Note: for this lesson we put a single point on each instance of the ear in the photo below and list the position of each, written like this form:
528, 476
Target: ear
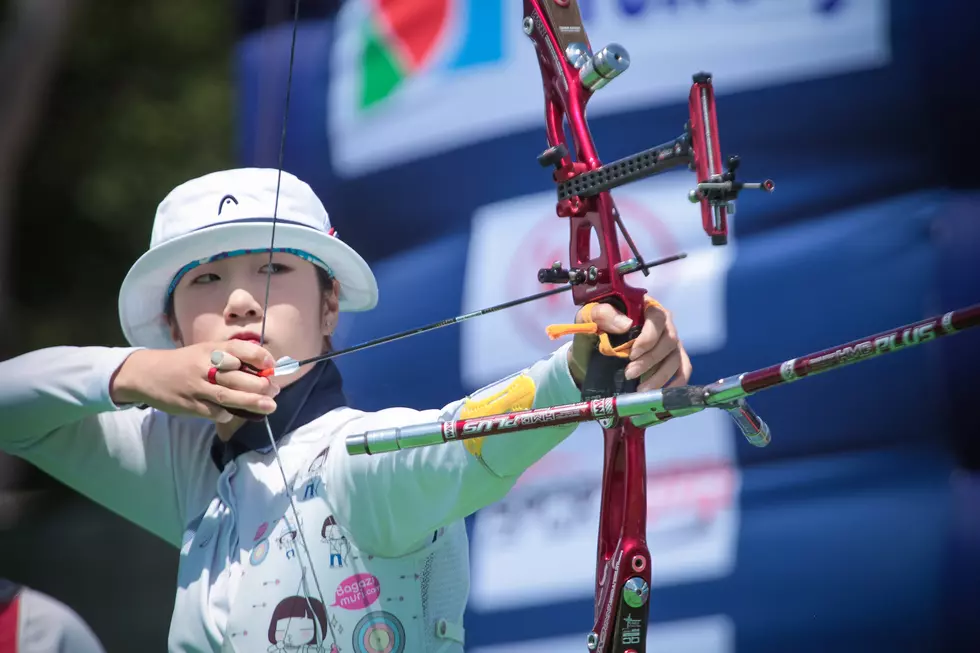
175, 334
331, 308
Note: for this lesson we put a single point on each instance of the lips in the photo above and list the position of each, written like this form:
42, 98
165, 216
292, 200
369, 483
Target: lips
247, 335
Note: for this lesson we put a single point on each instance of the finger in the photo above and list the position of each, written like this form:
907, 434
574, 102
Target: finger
225, 361
205, 409
229, 398
609, 320
650, 359
250, 353
656, 323
659, 376
247, 382
215, 412
686, 368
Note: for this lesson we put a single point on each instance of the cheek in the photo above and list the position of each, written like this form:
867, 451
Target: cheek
300, 327
198, 326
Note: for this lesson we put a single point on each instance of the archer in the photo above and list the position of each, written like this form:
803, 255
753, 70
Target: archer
369, 550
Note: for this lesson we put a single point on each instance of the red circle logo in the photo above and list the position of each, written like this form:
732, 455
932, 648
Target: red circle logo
547, 242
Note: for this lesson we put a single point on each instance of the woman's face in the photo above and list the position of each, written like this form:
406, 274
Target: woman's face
224, 299
296, 631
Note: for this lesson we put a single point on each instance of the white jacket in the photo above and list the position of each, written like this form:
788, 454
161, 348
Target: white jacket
381, 537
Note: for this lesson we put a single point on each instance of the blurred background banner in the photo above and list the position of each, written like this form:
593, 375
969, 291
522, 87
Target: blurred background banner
420, 132
856, 530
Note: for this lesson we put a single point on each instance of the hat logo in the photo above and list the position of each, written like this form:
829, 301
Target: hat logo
225, 200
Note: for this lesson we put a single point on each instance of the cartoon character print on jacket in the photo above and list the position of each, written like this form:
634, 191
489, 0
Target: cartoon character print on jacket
373, 604
298, 625
331, 534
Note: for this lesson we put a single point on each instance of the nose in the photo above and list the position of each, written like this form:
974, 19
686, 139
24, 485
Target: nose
242, 305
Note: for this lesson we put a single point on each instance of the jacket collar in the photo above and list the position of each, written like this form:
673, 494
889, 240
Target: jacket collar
314, 395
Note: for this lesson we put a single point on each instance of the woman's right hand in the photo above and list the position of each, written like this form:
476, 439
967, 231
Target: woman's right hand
176, 380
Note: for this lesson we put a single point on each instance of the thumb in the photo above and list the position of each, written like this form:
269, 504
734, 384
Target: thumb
609, 320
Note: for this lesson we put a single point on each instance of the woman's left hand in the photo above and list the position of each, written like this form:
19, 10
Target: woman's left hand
657, 357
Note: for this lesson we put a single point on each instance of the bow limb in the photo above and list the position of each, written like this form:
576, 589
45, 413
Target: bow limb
570, 76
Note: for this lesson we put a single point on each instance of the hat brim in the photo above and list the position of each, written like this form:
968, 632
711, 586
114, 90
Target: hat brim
143, 294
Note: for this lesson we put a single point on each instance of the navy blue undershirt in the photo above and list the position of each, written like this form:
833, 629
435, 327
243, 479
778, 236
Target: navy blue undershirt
317, 393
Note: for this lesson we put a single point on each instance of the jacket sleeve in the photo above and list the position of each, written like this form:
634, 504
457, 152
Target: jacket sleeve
56, 413
392, 502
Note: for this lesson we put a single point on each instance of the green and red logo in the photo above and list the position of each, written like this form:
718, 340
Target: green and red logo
402, 38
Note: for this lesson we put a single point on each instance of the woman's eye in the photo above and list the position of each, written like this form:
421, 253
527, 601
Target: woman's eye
207, 277
276, 268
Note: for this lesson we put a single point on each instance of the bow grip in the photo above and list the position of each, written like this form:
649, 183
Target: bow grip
605, 376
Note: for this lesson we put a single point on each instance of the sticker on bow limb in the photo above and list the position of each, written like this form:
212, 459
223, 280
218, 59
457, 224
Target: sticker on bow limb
518, 395
630, 633
379, 632
357, 592
299, 623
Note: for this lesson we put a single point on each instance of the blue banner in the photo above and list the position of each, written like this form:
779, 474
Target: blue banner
421, 140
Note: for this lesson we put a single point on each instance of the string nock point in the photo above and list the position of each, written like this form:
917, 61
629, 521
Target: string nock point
284, 366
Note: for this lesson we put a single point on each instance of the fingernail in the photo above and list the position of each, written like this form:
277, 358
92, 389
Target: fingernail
267, 404
277, 390
631, 372
622, 322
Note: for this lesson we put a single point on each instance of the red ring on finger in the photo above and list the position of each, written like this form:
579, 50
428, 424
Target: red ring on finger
212, 376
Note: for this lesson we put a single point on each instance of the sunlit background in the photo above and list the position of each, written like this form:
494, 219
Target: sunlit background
856, 530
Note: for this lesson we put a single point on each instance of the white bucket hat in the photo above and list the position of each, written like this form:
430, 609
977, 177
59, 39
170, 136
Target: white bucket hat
229, 211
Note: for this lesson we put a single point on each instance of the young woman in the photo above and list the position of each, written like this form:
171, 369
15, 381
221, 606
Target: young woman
326, 552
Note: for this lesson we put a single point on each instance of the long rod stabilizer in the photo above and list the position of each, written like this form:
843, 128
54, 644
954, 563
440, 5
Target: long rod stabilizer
658, 406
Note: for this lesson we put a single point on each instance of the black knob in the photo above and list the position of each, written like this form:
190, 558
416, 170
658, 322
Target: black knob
553, 156
553, 275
